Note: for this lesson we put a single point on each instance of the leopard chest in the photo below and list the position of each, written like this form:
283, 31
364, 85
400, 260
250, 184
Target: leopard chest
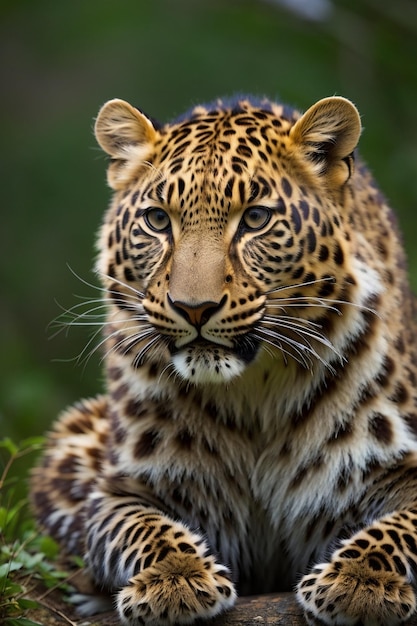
259, 497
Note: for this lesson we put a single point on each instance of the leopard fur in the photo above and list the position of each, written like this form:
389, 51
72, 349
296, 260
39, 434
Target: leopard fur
259, 428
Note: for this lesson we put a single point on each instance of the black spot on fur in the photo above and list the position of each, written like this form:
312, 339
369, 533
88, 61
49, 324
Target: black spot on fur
146, 444
380, 427
286, 187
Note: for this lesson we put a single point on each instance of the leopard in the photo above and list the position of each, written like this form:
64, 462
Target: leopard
257, 432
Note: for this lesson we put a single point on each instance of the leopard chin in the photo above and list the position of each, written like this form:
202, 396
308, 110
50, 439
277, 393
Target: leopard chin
202, 365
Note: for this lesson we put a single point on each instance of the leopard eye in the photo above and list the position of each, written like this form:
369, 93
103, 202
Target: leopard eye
256, 217
157, 220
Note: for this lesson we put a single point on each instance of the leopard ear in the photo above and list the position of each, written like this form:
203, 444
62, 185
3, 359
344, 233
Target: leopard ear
127, 135
326, 136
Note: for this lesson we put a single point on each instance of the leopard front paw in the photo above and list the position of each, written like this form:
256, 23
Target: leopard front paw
349, 592
178, 590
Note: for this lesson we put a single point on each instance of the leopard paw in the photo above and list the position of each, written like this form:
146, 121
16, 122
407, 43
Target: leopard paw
178, 590
348, 592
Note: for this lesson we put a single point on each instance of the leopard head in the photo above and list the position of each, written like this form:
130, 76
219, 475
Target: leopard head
225, 238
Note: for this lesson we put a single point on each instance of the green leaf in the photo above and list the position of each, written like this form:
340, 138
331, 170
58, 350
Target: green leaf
7, 444
32, 442
3, 517
10, 588
78, 561
12, 513
12, 566
48, 546
25, 604
29, 561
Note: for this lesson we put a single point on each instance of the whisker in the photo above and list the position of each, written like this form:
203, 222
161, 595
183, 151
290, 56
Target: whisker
302, 348
105, 289
298, 285
68, 317
81, 311
157, 339
172, 372
301, 320
266, 343
86, 354
101, 313
71, 318
315, 301
138, 293
84, 357
287, 303
89, 317
130, 341
84, 281
300, 329
263, 335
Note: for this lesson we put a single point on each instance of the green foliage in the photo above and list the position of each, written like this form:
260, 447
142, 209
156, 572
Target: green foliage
25, 557
65, 59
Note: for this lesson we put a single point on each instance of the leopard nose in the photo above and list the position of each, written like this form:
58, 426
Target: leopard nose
196, 314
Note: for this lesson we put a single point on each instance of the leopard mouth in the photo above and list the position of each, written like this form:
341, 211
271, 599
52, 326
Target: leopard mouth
244, 348
202, 361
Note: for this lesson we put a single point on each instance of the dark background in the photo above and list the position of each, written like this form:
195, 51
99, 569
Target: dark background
61, 60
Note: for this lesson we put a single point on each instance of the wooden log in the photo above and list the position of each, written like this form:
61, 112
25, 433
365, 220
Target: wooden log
264, 610
269, 610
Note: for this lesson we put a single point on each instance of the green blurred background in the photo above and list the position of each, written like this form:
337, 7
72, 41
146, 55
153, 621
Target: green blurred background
62, 60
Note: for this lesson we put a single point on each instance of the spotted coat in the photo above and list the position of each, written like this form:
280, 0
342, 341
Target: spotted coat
259, 430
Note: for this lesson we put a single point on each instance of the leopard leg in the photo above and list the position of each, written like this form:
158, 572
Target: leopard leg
368, 581
165, 572
67, 472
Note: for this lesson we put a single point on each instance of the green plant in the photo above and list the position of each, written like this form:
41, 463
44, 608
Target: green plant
26, 559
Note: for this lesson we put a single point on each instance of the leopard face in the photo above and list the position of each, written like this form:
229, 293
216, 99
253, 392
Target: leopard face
220, 248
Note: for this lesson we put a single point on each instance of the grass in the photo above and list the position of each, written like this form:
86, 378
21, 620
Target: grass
27, 559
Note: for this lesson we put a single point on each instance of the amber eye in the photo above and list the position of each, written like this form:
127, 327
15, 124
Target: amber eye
256, 217
157, 220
